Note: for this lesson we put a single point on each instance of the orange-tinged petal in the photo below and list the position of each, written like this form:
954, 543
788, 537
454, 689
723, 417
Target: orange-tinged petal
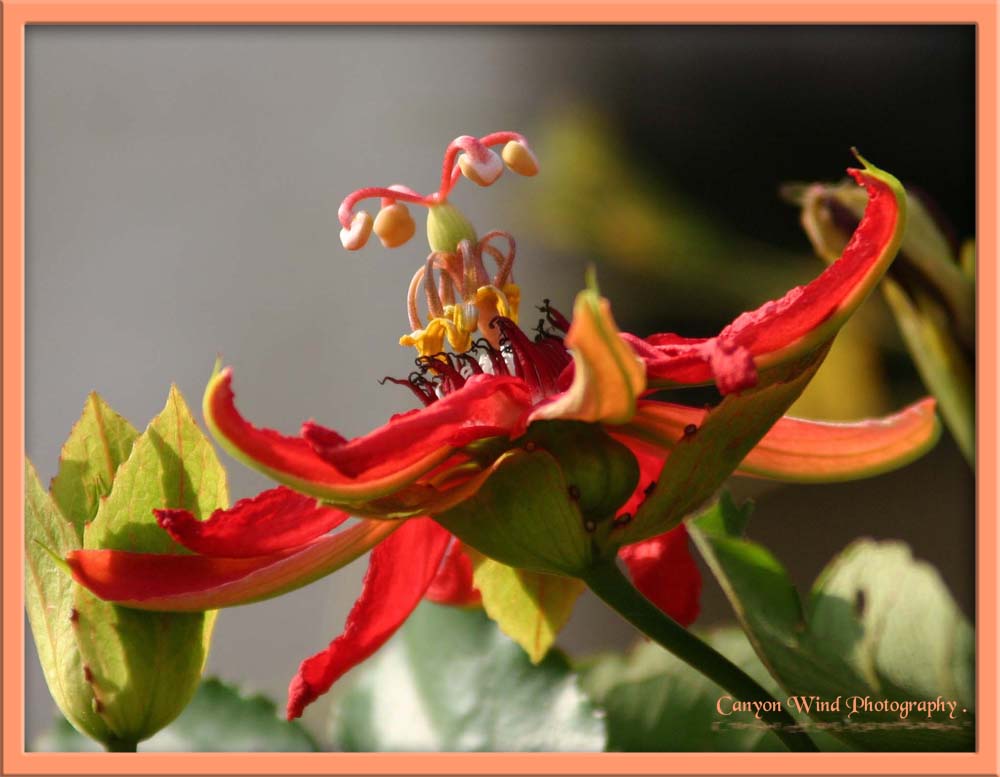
800, 451
797, 450
607, 376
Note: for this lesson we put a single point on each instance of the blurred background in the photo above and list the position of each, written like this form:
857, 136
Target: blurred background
182, 187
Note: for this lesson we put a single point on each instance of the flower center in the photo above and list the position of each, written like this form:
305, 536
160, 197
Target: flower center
541, 363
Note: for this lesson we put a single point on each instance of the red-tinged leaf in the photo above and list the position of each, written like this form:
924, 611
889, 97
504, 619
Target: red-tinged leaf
296, 463
805, 318
486, 406
663, 569
453, 583
801, 451
176, 583
273, 521
399, 573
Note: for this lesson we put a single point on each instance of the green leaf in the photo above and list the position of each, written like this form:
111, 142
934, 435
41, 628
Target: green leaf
529, 607
99, 442
657, 703
146, 666
879, 624
172, 465
48, 593
218, 719
450, 681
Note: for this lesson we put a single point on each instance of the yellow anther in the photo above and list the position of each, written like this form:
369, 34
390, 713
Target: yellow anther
394, 225
355, 236
505, 302
483, 172
520, 158
430, 340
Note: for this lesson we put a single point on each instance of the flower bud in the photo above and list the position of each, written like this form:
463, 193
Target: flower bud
483, 172
355, 236
520, 158
447, 227
118, 675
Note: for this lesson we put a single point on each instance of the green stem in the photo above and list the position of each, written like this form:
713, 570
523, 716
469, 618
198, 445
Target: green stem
608, 582
121, 746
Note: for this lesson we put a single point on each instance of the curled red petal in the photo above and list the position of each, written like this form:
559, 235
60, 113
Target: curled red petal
453, 583
486, 406
801, 320
663, 569
399, 572
176, 583
273, 521
295, 462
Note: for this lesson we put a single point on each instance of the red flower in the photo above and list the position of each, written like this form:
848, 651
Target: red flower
482, 404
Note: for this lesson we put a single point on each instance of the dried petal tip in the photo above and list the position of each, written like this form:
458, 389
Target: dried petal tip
484, 171
394, 225
520, 158
355, 236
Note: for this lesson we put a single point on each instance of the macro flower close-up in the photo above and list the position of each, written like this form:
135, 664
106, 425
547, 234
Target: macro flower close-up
578, 390
541, 453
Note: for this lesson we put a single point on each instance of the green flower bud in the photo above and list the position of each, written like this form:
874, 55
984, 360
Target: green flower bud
118, 675
447, 227
548, 504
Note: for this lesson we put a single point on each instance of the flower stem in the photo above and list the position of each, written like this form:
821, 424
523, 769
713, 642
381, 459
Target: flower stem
608, 582
121, 746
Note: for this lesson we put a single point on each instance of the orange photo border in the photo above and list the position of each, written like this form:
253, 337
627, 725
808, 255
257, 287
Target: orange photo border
19, 13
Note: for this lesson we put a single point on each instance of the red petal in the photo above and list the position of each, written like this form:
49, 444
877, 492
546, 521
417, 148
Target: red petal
453, 584
272, 521
663, 569
174, 583
390, 458
486, 406
399, 572
804, 318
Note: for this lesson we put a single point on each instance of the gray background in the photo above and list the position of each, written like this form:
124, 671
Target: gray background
182, 185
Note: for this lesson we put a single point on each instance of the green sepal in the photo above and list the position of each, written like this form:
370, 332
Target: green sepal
447, 226
700, 463
548, 500
48, 593
98, 444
